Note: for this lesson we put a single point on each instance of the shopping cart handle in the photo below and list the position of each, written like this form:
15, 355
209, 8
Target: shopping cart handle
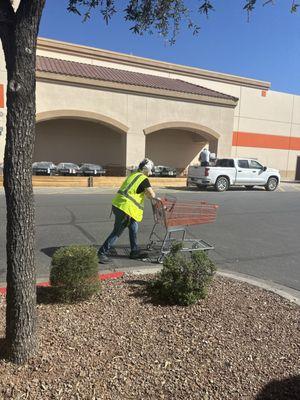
156, 202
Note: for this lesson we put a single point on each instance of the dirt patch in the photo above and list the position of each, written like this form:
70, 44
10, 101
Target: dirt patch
239, 341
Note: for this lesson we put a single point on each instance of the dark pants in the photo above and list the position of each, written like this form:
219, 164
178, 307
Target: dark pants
204, 163
122, 221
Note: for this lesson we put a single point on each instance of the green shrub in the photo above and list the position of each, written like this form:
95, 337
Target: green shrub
74, 273
183, 280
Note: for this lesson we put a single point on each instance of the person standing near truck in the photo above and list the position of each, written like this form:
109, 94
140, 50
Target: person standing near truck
128, 208
204, 157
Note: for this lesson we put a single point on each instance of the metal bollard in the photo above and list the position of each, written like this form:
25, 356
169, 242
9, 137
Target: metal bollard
90, 181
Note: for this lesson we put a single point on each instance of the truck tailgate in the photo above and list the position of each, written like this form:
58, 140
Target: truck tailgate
195, 171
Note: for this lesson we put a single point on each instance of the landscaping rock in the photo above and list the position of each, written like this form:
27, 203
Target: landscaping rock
120, 345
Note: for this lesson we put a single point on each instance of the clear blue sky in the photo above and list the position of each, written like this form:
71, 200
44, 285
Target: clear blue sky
266, 48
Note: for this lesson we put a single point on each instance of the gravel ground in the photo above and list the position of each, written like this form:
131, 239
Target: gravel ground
240, 343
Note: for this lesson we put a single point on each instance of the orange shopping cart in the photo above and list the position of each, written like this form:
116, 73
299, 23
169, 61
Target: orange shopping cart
171, 219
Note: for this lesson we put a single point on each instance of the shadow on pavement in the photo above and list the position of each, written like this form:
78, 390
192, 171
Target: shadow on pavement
284, 389
49, 251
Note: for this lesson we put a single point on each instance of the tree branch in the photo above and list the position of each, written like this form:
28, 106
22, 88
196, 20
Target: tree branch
7, 27
7, 14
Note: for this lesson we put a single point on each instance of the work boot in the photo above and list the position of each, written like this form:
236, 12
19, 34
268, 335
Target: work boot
103, 259
138, 254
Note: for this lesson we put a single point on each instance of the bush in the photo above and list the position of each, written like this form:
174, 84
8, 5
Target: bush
183, 280
74, 273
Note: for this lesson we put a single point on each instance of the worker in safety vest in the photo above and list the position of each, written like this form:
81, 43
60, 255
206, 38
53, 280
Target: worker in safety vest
128, 208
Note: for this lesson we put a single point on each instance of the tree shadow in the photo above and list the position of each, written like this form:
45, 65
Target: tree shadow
284, 389
49, 251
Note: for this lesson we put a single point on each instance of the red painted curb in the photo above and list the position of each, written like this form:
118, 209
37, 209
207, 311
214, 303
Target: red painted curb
45, 284
111, 275
102, 277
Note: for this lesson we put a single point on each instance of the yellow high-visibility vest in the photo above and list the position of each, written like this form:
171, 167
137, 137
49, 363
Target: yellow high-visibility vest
128, 200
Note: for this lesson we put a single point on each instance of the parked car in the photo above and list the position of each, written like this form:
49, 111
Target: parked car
132, 168
44, 168
91, 169
163, 170
67, 169
234, 172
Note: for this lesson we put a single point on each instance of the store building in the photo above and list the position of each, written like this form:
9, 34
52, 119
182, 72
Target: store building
114, 109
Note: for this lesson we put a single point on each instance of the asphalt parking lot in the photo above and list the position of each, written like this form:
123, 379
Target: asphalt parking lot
255, 233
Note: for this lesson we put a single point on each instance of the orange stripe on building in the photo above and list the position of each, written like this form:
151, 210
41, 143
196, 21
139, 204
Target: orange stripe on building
247, 139
1, 96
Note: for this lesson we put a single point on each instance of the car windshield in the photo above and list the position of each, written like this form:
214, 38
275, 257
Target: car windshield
43, 164
67, 165
92, 166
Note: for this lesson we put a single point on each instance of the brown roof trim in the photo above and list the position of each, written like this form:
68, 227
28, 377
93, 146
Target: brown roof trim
121, 58
117, 86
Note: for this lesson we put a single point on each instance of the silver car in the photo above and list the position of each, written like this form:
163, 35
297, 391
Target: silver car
43, 168
91, 170
67, 169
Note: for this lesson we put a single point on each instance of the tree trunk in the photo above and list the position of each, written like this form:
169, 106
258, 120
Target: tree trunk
19, 37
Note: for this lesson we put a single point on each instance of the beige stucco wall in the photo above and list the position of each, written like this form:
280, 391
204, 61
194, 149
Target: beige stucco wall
137, 112
275, 114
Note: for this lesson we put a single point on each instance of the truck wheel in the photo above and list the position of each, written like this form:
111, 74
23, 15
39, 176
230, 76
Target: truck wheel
271, 184
222, 184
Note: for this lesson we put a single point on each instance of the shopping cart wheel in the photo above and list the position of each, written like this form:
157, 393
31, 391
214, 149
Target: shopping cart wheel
160, 259
150, 246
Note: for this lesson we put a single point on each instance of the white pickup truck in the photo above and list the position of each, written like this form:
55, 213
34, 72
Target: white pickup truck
233, 172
